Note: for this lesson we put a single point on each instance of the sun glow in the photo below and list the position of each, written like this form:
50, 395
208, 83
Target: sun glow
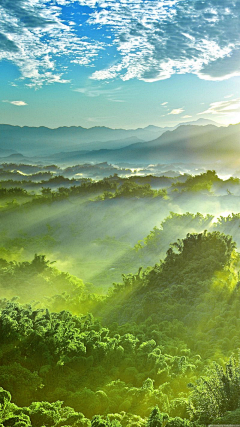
224, 214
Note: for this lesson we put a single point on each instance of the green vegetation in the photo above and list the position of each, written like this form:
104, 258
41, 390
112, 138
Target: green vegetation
132, 189
203, 182
153, 338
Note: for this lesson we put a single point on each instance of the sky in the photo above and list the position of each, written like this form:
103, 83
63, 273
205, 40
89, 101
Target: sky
119, 63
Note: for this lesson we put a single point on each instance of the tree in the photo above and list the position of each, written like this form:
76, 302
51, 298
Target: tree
177, 422
218, 393
99, 421
5, 398
156, 418
39, 262
46, 191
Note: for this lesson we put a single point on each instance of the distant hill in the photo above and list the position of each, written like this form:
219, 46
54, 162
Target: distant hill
187, 143
5, 152
43, 141
15, 157
200, 122
190, 143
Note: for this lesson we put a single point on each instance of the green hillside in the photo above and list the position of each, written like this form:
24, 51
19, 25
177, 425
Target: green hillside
152, 339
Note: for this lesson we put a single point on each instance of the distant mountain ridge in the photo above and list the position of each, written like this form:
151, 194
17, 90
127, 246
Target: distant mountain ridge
185, 144
42, 140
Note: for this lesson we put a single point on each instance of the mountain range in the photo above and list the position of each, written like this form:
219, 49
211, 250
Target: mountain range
43, 141
196, 142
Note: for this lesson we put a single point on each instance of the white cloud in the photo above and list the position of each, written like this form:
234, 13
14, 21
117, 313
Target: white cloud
109, 74
186, 117
176, 111
35, 38
17, 103
223, 107
153, 39
157, 38
164, 103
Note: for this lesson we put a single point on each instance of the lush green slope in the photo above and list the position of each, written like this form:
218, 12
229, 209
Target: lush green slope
160, 329
114, 354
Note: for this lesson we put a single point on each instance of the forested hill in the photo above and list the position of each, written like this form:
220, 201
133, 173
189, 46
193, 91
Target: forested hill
146, 344
197, 281
115, 311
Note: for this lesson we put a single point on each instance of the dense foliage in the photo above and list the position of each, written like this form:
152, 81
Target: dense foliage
158, 348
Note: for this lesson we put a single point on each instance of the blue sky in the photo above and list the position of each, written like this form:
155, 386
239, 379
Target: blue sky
119, 63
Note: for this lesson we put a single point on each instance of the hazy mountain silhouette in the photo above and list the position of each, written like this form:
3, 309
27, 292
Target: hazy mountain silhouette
187, 143
42, 140
6, 152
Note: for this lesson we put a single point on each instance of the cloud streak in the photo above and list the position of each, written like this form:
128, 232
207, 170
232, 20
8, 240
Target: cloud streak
109, 94
223, 107
176, 111
17, 103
